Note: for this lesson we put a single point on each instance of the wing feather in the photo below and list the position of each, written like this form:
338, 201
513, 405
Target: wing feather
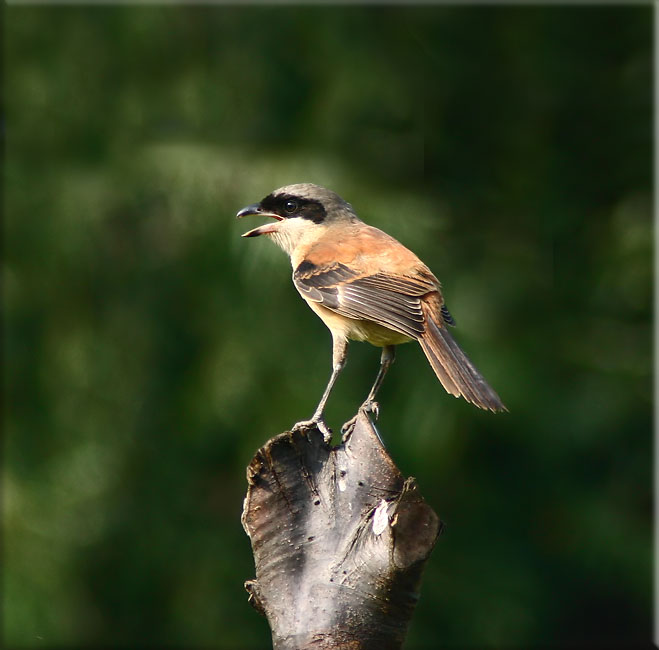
389, 300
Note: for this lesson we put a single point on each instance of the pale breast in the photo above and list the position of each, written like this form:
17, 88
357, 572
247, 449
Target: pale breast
358, 330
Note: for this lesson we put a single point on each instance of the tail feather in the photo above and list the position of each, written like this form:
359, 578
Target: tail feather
454, 370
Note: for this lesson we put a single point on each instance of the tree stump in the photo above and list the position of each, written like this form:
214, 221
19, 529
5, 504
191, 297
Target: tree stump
339, 538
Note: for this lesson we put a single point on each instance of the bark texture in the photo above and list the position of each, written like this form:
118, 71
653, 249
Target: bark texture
339, 538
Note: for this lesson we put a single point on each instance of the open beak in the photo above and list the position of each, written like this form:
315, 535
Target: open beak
256, 210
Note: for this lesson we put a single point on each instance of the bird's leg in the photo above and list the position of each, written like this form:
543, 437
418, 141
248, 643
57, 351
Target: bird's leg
386, 359
339, 354
370, 405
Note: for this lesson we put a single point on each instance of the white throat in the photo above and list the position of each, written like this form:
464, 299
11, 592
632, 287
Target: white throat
290, 233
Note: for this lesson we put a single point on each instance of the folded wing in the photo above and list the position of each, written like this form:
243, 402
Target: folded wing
410, 305
390, 301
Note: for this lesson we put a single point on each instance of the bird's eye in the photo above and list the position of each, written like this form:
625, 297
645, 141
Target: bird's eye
290, 206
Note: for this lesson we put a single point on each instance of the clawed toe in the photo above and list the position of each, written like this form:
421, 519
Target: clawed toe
314, 423
371, 406
347, 428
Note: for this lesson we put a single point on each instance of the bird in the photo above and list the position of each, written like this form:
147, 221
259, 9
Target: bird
365, 286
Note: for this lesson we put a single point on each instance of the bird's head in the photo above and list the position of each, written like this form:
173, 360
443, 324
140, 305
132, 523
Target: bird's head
301, 212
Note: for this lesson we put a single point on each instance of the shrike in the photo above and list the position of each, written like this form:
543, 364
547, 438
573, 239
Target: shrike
365, 286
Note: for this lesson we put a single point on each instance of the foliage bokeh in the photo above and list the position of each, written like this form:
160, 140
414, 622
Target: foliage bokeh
149, 350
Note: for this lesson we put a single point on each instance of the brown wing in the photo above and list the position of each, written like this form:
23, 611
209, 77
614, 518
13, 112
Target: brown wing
392, 301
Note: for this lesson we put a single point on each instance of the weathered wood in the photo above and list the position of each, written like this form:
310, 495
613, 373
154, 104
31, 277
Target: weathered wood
340, 540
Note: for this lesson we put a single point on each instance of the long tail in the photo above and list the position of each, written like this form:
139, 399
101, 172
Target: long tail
452, 367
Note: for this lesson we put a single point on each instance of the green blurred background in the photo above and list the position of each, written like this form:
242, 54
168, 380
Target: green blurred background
149, 350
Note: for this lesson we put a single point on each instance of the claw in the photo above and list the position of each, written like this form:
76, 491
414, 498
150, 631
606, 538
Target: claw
371, 406
347, 428
314, 423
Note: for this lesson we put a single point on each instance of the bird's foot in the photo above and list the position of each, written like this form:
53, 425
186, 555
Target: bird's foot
316, 422
347, 428
369, 406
